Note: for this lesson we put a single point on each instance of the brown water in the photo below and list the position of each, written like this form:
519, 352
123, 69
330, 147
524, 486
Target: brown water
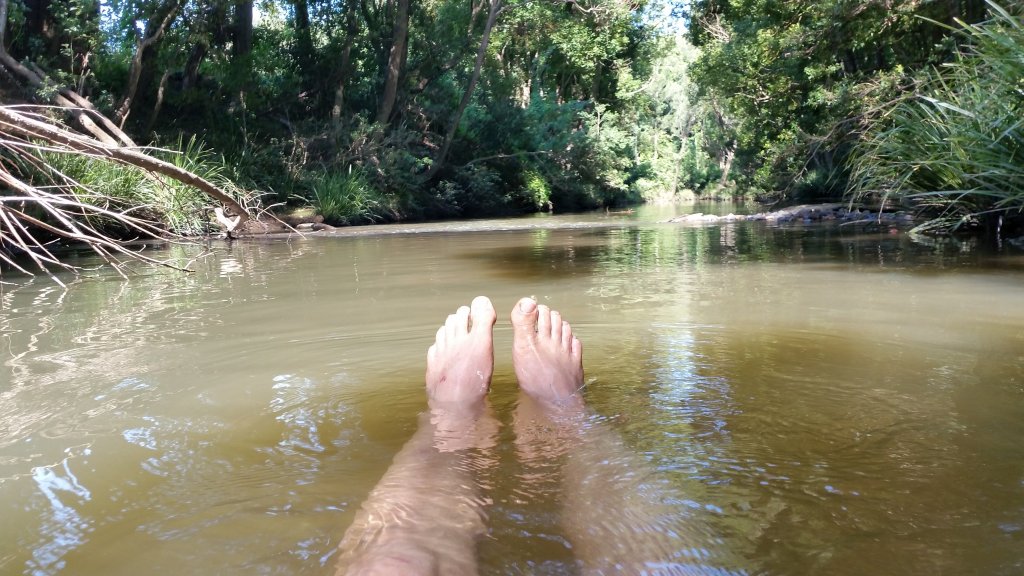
804, 400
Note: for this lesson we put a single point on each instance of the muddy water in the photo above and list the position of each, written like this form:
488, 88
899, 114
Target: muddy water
801, 400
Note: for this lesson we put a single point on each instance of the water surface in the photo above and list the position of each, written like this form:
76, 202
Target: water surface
808, 400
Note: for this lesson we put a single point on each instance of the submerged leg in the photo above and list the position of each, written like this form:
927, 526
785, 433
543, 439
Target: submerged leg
617, 512
425, 514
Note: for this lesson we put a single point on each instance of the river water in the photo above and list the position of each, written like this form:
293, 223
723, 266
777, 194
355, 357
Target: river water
802, 399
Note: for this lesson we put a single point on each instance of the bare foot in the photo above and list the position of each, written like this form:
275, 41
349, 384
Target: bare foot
461, 360
548, 359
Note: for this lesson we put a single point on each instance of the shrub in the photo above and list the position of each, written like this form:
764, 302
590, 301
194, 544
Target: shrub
954, 148
346, 197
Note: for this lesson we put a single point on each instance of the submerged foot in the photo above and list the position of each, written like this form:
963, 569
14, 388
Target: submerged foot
461, 360
548, 359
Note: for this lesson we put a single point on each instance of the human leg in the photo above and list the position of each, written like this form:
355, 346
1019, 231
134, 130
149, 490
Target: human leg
617, 512
425, 514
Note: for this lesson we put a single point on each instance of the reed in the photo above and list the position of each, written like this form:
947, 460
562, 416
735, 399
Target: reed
178, 208
347, 198
953, 147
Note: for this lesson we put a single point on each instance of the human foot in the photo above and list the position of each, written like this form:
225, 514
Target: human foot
461, 360
548, 359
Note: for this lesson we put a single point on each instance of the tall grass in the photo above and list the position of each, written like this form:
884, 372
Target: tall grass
954, 148
174, 206
348, 198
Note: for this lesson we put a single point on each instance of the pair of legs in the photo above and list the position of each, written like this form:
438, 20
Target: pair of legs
426, 513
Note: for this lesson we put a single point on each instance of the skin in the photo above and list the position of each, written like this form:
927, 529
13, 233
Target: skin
427, 513
548, 358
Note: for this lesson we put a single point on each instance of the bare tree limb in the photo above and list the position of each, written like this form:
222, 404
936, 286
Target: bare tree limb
16, 123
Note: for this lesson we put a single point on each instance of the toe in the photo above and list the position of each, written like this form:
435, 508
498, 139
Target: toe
482, 313
556, 326
440, 340
566, 335
524, 316
457, 323
577, 349
543, 321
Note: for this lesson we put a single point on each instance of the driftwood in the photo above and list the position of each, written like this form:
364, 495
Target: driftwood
28, 210
18, 226
13, 122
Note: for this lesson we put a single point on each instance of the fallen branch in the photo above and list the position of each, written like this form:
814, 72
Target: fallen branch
13, 122
33, 214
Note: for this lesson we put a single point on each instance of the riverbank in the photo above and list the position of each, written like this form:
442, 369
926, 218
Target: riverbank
807, 214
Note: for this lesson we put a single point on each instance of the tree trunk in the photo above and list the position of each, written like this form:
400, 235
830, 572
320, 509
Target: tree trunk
160, 90
156, 27
595, 86
481, 53
190, 76
3, 24
41, 25
78, 107
351, 29
303, 40
241, 45
399, 44
726, 163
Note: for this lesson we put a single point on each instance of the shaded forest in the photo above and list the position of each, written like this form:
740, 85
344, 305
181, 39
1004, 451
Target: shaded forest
387, 110
377, 111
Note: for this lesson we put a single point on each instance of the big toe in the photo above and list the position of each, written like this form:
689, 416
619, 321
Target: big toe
482, 314
524, 315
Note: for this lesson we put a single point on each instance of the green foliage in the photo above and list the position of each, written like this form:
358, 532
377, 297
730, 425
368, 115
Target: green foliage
955, 147
536, 189
183, 208
670, 158
561, 114
785, 87
472, 191
346, 197
100, 182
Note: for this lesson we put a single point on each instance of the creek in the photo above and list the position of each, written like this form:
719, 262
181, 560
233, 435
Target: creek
809, 399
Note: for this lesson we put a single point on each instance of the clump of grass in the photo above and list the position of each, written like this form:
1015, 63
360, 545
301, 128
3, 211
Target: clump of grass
954, 148
176, 207
183, 208
346, 197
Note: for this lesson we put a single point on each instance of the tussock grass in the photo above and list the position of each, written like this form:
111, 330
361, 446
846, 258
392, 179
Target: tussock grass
953, 149
347, 198
179, 208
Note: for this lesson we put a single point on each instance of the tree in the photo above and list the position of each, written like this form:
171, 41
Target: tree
793, 83
396, 61
485, 38
146, 43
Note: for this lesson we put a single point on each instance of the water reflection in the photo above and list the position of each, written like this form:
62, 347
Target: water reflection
779, 400
65, 529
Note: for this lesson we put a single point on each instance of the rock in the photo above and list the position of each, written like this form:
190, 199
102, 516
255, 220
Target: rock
315, 227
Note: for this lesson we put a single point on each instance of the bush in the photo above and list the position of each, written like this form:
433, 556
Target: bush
175, 206
346, 197
954, 148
